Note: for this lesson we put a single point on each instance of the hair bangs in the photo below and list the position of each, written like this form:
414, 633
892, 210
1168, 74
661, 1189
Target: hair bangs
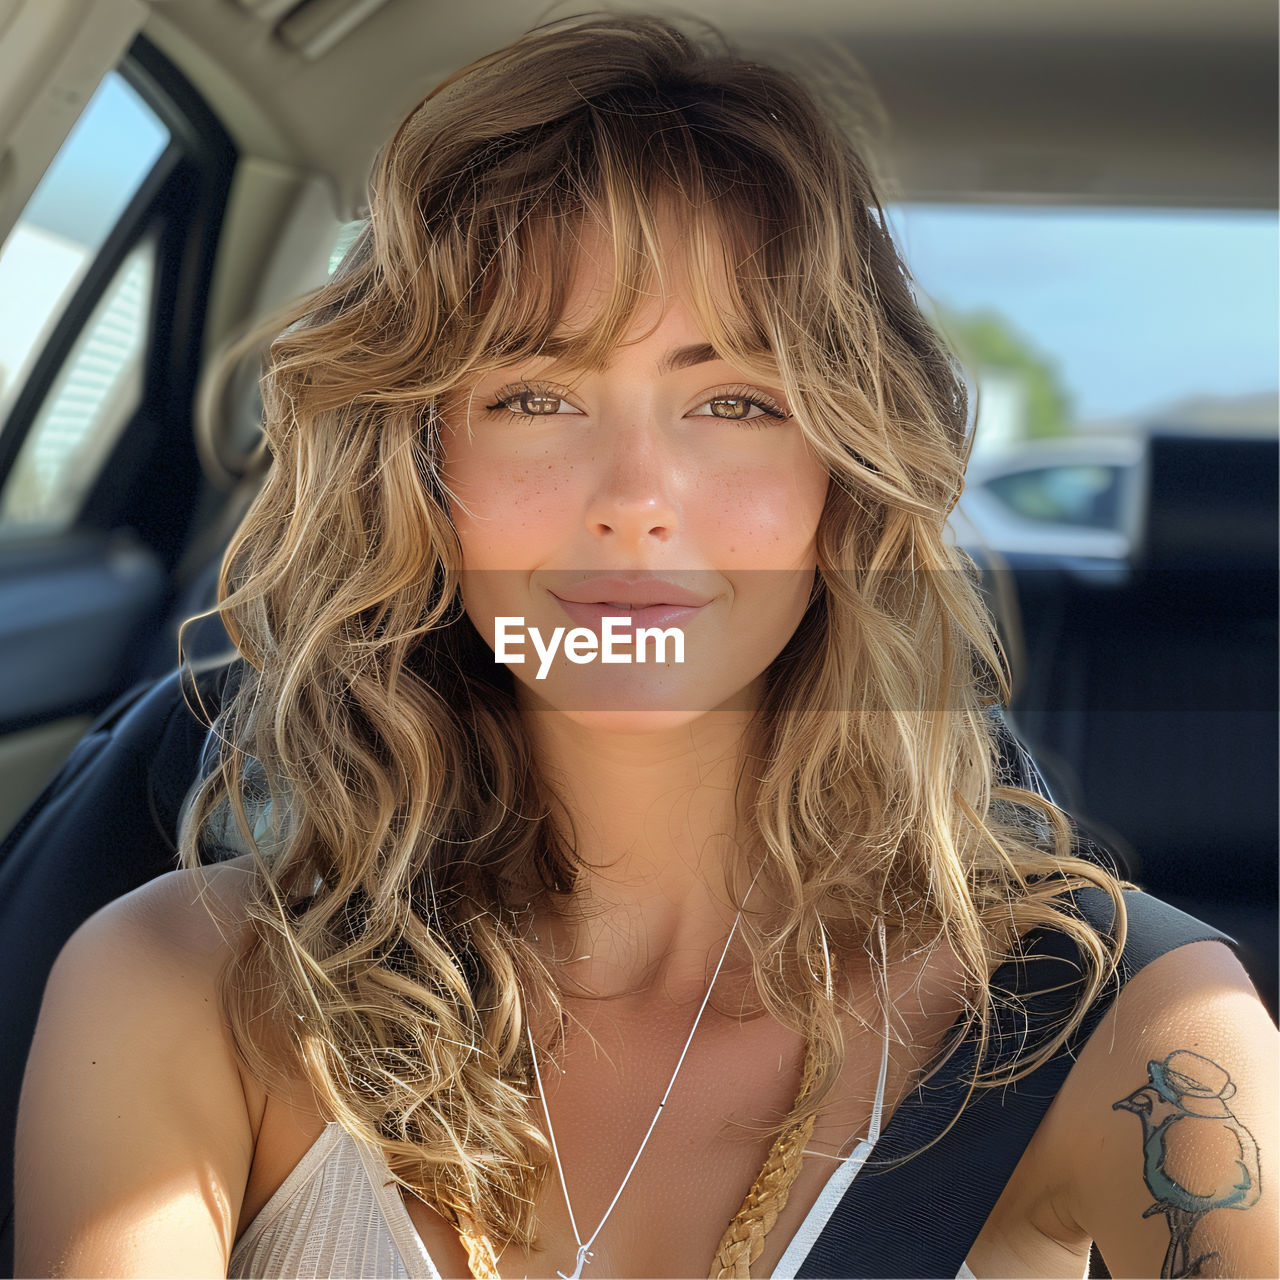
652, 226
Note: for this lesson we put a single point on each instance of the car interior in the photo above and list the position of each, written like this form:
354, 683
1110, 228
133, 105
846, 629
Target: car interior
174, 171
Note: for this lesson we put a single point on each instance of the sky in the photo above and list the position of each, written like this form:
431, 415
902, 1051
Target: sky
100, 165
1136, 308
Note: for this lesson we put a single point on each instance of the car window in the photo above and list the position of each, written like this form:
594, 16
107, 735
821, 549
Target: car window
92, 398
1086, 495
1093, 331
101, 166
1096, 321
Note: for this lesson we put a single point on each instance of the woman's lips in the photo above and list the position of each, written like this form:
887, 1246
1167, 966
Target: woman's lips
592, 614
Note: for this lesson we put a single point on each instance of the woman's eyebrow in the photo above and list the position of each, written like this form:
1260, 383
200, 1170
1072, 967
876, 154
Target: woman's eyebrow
687, 357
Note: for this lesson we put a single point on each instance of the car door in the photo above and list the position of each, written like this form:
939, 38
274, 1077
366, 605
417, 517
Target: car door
113, 180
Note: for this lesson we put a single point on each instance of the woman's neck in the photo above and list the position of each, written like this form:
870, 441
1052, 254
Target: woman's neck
657, 821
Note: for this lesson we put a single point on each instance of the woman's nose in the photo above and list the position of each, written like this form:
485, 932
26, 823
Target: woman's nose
633, 499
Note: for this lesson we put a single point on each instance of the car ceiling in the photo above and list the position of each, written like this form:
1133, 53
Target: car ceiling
1105, 102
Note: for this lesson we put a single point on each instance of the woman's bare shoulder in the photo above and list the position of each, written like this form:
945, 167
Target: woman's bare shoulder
168, 941
195, 912
1170, 1116
136, 1130
166, 945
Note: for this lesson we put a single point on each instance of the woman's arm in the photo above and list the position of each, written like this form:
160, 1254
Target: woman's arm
134, 1135
1168, 1124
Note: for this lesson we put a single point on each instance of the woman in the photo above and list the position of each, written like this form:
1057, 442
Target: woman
537, 966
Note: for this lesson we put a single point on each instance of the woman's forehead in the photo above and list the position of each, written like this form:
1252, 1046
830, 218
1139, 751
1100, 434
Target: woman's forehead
651, 263
633, 289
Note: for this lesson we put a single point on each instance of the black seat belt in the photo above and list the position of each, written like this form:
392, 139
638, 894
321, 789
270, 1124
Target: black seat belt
920, 1217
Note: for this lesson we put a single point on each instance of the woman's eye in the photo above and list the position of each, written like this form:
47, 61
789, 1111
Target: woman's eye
734, 407
739, 408
535, 402
531, 402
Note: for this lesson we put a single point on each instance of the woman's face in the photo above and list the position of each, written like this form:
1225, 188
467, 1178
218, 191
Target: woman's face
667, 490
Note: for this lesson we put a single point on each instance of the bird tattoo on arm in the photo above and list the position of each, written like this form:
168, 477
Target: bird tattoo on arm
1197, 1157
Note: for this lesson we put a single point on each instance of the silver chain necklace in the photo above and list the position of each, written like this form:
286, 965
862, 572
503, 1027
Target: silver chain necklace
584, 1247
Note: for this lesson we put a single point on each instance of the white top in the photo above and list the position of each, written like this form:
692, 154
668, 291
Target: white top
339, 1213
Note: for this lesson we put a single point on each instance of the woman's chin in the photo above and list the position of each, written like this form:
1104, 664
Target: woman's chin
606, 704
633, 723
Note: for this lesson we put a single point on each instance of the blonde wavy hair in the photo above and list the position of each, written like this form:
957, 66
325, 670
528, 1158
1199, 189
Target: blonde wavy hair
373, 759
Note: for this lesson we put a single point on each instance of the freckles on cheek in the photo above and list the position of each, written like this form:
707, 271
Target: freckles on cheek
504, 504
761, 513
